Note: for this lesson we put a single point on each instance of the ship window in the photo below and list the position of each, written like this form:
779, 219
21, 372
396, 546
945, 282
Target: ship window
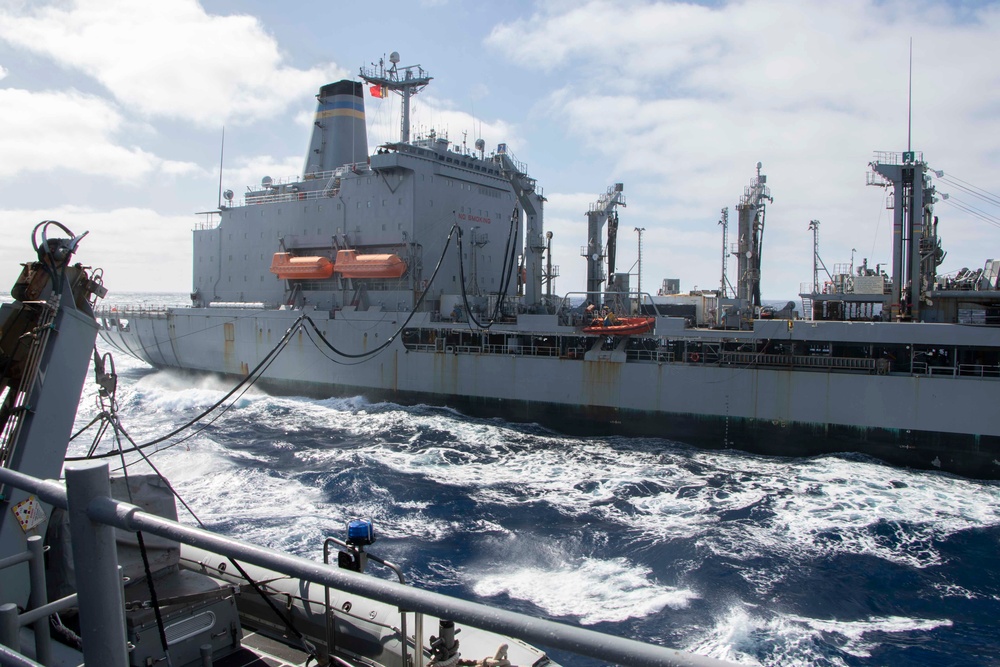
279, 211
400, 201
383, 202
431, 202
369, 204
320, 208
230, 237
359, 204
383, 228
229, 330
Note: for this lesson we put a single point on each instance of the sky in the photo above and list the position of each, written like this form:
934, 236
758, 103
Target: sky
112, 115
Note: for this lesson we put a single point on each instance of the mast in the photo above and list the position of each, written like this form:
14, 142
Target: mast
724, 221
405, 81
751, 231
601, 212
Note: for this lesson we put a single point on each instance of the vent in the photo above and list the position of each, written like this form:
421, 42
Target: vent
189, 627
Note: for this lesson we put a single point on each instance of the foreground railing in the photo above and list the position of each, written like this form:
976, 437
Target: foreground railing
93, 515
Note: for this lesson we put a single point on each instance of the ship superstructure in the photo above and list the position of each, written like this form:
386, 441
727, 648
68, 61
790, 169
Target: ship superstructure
417, 274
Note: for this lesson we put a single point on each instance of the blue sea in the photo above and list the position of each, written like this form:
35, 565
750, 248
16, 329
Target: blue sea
833, 560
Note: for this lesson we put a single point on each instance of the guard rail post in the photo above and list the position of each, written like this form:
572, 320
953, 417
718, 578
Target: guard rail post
95, 557
9, 627
36, 571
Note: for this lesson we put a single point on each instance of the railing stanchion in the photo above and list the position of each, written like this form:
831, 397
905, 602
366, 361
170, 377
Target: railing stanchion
36, 571
95, 559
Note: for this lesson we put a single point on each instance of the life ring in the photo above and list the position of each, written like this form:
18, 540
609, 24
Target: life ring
695, 357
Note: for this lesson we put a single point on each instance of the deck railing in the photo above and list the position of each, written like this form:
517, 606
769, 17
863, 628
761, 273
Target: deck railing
93, 515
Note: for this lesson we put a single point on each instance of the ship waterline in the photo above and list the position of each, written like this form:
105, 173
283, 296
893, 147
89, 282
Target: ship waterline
690, 389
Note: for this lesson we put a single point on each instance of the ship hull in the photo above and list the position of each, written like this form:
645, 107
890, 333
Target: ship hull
929, 422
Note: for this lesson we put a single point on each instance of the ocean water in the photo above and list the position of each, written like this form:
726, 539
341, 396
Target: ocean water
835, 560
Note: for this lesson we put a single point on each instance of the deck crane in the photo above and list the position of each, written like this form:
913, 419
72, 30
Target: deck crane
602, 211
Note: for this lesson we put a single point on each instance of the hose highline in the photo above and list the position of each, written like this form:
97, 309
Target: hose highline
413, 311
506, 273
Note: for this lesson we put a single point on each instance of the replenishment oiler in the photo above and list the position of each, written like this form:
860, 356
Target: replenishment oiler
423, 273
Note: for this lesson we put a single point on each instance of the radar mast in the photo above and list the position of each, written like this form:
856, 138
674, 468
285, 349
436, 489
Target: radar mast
406, 81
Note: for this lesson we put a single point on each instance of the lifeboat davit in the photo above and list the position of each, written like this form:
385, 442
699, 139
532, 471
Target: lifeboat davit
623, 326
350, 264
287, 267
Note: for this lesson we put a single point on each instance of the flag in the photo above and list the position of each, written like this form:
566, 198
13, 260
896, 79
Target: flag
377, 91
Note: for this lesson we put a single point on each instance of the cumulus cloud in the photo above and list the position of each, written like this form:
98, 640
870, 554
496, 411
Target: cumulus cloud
683, 99
161, 262
70, 130
167, 59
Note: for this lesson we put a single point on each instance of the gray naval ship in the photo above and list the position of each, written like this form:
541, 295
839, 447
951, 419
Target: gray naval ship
423, 273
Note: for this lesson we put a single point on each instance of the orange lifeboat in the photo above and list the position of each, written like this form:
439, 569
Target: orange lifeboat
350, 264
624, 326
287, 267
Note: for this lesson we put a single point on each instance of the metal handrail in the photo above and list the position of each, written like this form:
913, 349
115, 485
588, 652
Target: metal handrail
87, 496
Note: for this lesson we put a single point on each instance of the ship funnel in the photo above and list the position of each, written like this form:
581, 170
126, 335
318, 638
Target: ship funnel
339, 136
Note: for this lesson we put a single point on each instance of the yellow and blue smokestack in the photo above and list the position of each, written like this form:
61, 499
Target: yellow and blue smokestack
339, 136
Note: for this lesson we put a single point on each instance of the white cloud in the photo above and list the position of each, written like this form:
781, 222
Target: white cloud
684, 99
49, 130
168, 59
160, 262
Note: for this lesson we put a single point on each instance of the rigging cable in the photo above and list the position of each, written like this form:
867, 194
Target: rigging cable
505, 275
250, 377
972, 210
986, 195
268, 359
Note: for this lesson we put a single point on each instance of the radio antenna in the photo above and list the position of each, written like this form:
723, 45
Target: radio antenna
909, 105
222, 152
